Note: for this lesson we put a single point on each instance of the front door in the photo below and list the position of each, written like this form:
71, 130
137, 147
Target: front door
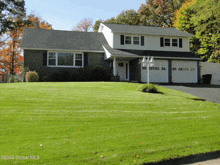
123, 70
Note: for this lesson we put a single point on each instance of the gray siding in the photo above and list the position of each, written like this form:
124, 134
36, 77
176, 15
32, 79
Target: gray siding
34, 60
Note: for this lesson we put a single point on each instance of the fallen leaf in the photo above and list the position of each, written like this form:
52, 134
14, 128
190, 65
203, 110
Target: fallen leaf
134, 160
78, 129
138, 156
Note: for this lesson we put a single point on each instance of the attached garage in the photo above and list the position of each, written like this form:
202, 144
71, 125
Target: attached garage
158, 72
184, 71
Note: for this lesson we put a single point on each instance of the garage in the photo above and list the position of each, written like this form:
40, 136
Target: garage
184, 71
158, 72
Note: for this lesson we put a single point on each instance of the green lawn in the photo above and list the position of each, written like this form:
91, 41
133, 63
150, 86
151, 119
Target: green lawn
102, 123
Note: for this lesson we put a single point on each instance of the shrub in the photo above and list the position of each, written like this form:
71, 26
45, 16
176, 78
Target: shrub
148, 88
14, 79
81, 74
32, 76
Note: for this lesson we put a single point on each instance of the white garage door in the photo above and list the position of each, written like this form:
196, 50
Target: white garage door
158, 72
184, 71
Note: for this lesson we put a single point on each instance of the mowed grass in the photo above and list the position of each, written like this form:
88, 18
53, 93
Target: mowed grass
102, 123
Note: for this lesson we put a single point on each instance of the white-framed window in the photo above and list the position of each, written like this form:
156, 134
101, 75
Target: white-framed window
52, 59
65, 59
127, 39
78, 59
136, 40
167, 42
174, 42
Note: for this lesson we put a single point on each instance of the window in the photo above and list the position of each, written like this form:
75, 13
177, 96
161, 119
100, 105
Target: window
183, 69
174, 68
174, 42
163, 68
65, 59
78, 61
127, 39
52, 59
154, 68
167, 42
136, 40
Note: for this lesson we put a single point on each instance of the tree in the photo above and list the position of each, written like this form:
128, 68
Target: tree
10, 52
128, 17
84, 25
201, 18
10, 9
36, 22
158, 12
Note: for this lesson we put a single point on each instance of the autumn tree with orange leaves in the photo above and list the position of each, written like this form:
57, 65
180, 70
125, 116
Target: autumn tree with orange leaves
84, 25
10, 53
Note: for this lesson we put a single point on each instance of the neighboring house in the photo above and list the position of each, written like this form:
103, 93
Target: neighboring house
118, 46
211, 68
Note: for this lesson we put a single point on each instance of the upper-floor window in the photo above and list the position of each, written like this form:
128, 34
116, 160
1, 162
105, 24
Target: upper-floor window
136, 40
127, 39
65, 59
132, 40
174, 42
167, 42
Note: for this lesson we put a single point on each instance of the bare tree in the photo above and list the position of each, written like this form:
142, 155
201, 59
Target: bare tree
84, 25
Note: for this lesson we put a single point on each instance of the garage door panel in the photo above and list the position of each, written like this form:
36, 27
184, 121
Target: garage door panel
158, 72
184, 71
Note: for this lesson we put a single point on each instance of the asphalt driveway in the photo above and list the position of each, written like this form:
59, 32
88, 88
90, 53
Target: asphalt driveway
207, 92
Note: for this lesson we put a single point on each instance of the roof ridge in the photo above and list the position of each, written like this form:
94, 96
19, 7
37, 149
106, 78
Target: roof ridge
139, 25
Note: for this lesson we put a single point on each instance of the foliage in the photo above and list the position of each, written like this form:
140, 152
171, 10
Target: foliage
79, 122
84, 25
128, 17
81, 74
158, 12
201, 18
10, 9
32, 76
37, 22
10, 53
14, 79
149, 88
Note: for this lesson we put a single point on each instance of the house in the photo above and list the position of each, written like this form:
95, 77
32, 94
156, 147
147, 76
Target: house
211, 68
120, 47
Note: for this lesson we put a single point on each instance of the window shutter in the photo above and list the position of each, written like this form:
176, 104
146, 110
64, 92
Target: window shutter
180, 42
85, 59
161, 42
44, 58
142, 40
122, 40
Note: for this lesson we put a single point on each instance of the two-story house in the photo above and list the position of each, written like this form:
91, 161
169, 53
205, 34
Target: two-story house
120, 47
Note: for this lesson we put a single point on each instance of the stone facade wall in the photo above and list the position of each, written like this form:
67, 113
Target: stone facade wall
34, 59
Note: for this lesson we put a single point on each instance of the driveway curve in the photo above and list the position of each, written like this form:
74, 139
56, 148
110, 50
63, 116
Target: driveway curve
207, 92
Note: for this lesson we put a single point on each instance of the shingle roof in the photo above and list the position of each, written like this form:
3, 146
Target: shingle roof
62, 40
150, 30
164, 54
119, 53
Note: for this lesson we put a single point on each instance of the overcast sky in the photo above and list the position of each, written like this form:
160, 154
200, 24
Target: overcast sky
65, 14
